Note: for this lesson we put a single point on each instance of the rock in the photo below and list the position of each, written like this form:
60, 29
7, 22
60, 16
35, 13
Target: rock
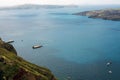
1, 59
7, 46
1, 42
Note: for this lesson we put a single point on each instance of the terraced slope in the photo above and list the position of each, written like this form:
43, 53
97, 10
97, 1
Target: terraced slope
13, 67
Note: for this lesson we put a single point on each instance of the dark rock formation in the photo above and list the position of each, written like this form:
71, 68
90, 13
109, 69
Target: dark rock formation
7, 46
108, 14
13, 67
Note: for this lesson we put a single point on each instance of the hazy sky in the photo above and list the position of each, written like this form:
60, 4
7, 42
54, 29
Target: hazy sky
58, 2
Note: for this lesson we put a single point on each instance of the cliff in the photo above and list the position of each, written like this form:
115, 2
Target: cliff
13, 67
108, 14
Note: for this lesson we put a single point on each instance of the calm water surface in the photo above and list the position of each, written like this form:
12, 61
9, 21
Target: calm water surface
74, 46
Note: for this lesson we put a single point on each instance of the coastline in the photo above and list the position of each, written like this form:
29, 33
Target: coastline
107, 14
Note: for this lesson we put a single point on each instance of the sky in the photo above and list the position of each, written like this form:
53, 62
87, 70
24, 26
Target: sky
58, 2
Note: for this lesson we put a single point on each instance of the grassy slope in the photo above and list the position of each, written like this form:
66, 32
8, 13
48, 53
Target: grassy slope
13, 67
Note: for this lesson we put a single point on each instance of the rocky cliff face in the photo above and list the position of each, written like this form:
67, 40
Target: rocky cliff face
7, 46
108, 14
13, 67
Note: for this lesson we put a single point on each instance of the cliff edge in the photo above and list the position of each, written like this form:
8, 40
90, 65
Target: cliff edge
13, 67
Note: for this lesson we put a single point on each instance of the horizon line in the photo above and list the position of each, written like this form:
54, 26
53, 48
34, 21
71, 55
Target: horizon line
61, 4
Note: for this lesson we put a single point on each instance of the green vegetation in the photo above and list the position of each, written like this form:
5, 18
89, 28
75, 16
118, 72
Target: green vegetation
13, 67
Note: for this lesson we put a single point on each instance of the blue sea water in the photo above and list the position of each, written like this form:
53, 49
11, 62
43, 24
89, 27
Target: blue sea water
77, 47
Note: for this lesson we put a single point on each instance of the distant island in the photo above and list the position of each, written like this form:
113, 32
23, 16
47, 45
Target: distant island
13, 67
35, 6
107, 14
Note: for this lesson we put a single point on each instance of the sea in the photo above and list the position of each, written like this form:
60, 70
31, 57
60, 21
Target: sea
74, 47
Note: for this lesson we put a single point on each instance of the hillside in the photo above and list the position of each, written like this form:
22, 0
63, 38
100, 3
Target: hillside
107, 14
13, 67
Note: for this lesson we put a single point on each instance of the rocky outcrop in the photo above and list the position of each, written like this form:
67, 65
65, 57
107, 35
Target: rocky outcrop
7, 46
13, 67
108, 14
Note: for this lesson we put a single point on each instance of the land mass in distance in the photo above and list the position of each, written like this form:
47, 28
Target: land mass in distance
107, 14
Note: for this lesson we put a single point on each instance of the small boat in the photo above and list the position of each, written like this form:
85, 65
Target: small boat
108, 63
10, 41
110, 72
37, 46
